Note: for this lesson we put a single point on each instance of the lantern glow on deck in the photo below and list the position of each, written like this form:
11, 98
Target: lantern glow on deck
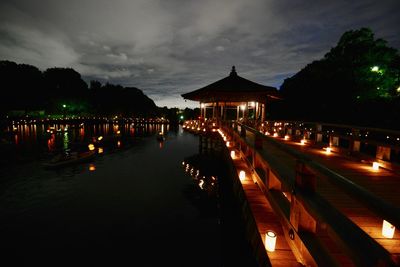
388, 229
242, 175
270, 241
375, 166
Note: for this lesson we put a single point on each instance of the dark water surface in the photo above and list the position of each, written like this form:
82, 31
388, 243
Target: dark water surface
132, 205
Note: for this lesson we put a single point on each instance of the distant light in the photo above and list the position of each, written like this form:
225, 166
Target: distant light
119, 143
227, 144
64, 106
203, 105
201, 183
242, 107
388, 229
275, 135
91, 147
100, 138
328, 150
375, 69
242, 175
181, 117
287, 137
375, 166
302, 142
270, 241
233, 154
92, 167
100, 151
398, 89
252, 104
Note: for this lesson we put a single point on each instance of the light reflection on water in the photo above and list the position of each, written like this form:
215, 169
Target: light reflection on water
129, 205
29, 141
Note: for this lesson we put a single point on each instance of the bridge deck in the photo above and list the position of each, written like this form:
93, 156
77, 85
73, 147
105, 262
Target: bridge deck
382, 183
266, 220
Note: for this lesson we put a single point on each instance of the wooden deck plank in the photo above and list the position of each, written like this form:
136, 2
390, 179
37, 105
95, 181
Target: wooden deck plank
266, 220
378, 182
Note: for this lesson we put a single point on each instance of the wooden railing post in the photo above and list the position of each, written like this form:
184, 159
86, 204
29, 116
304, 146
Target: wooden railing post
304, 179
354, 141
318, 133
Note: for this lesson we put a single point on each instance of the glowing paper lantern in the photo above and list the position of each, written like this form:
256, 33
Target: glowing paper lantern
375, 166
388, 229
242, 175
270, 241
233, 154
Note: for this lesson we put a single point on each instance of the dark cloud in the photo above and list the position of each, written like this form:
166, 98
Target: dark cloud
167, 48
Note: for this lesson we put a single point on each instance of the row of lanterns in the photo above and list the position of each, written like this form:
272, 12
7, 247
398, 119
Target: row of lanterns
387, 228
270, 236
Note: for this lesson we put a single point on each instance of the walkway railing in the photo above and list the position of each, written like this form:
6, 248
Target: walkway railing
314, 227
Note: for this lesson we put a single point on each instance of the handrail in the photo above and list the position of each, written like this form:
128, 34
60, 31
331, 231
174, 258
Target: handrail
382, 208
395, 132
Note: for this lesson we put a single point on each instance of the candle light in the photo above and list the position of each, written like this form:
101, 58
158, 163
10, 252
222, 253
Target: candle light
375, 166
388, 229
242, 175
270, 241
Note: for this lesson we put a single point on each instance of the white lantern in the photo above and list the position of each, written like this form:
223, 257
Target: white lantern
388, 229
270, 241
233, 154
375, 166
242, 175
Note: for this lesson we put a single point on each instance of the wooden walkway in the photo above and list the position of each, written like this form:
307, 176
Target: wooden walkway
331, 225
266, 219
382, 183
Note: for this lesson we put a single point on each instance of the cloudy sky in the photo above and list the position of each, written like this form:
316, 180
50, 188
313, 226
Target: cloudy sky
170, 47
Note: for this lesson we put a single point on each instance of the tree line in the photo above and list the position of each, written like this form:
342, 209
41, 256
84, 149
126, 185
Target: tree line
26, 89
356, 82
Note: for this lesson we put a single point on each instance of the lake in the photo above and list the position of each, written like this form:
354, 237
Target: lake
136, 203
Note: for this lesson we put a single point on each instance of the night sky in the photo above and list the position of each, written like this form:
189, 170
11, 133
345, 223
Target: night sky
167, 48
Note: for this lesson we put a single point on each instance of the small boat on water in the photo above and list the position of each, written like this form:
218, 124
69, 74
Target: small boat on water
64, 160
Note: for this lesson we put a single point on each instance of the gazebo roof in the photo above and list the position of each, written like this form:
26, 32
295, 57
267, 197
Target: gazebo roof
233, 88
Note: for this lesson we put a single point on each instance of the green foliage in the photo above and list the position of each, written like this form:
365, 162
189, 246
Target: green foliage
359, 71
25, 88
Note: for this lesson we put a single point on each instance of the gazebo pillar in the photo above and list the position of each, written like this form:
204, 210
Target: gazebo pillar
216, 110
213, 112
237, 112
225, 111
246, 112
262, 112
256, 113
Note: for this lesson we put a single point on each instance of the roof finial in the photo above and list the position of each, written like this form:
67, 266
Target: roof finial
233, 71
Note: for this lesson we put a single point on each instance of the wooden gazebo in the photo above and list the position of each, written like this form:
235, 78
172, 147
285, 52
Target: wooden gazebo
233, 93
